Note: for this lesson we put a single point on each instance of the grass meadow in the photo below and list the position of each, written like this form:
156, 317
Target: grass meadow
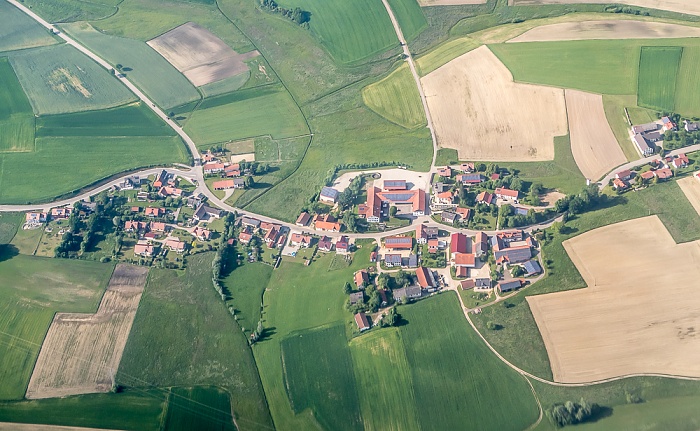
246, 285
16, 115
204, 408
32, 289
396, 98
326, 383
201, 346
18, 31
9, 223
410, 17
69, 10
658, 69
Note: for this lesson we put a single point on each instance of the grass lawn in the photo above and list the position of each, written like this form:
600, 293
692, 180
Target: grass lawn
9, 223
19, 31
454, 374
658, 69
132, 410
27, 240
444, 53
16, 115
410, 17
354, 30
384, 381
202, 344
59, 79
396, 98
32, 289
246, 285
205, 408
325, 384
70, 10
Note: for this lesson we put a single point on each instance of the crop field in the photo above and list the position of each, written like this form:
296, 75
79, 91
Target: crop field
202, 346
350, 31
396, 98
658, 67
444, 53
325, 384
688, 82
384, 381
642, 324
410, 17
18, 31
27, 240
468, 99
81, 351
455, 376
32, 290
246, 114
16, 115
606, 29
205, 408
682, 6
59, 79
142, 64
593, 143
70, 10
246, 285
33, 177
691, 189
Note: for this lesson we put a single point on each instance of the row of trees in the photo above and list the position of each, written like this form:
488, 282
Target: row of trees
570, 412
296, 14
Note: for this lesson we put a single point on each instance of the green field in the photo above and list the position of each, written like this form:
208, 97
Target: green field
351, 30
149, 70
70, 10
246, 285
444, 53
27, 240
456, 377
246, 114
201, 346
18, 31
614, 107
410, 17
224, 86
31, 290
658, 69
204, 408
9, 222
60, 79
384, 382
16, 115
326, 383
396, 98
688, 82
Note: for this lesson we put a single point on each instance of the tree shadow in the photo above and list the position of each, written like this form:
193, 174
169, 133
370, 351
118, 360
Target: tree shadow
267, 334
127, 69
8, 251
601, 412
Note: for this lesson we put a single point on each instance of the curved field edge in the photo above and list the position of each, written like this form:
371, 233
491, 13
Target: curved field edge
396, 98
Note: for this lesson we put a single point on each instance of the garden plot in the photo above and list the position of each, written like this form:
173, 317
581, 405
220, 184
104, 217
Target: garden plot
593, 143
606, 29
81, 352
691, 7
478, 110
200, 55
639, 314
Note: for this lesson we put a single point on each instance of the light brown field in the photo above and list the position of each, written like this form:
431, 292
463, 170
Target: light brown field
81, 352
449, 2
691, 7
639, 314
200, 55
691, 189
478, 110
593, 143
606, 29
8, 426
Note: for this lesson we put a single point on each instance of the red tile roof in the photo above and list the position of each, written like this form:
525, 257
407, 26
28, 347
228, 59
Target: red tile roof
458, 243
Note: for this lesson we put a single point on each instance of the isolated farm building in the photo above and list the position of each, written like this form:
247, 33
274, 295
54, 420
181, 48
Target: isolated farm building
212, 168
250, 222
467, 284
667, 124
303, 219
461, 272
356, 297
324, 244
175, 244
624, 175
690, 126
329, 195
459, 243
508, 194
618, 184
467, 167
239, 183
664, 173
326, 222
362, 321
644, 128
155, 212
361, 278
392, 260
245, 236
463, 213
393, 185
61, 213
371, 210
201, 234
223, 185
647, 175
466, 260
532, 267
131, 226
144, 249
410, 262
301, 240
449, 217
482, 284
158, 226
642, 145
426, 278
484, 197
469, 179
271, 237
445, 172
481, 244
398, 242
681, 161
507, 286
342, 245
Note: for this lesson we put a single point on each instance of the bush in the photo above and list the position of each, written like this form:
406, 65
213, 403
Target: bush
571, 413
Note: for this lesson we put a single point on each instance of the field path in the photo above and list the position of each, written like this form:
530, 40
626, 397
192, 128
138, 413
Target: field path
412, 66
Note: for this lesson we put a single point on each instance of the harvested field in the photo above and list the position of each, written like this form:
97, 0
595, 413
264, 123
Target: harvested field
449, 2
691, 190
81, 352
593, 143
691, 7
200, 55
479, 111
606, 29
639, 313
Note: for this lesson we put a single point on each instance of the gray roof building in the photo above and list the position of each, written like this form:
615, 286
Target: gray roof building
532, 267
507, 286
356, 297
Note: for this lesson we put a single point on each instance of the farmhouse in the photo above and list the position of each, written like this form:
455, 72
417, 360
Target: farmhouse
507, 286
61, 213
466, 260
398, 242
484, 197
155, 212
329, 195
510, 251
212, 168
481, 245
356, 297
144, 249
507, 194
643, 145
373, 208
426, 279
469, 179
510, 235
361, 278
324, 244
458, 243
532, 267
201, 234
392, 260
362, 321
301, 240
304, 219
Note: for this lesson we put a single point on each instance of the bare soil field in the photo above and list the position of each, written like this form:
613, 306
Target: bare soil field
691, 7
691, 189
606, 29
200, 55
449, 2
248, 157
478, 110
639, 314
81, 352
593, 143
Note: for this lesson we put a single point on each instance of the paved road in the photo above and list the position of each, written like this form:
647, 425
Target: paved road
643, 161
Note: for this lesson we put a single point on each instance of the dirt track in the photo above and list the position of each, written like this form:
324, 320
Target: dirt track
640, 313
691, 7
593, 143
81, 352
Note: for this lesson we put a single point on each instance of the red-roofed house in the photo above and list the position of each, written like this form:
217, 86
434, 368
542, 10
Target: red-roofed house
144, 249
36, 217
619, 184
433, 245
397, 242
155, 211
445, 172
175, 244
362, 322
223, 185
458, 243
426, 278
461, 271
130, 226
361, 279
60, 213
245, 236
464, 213
202, 234
495, 176
647, 175
484, 197
271, 237
467, 167
342, 245
467, 260
681, 161
212, 168
664, 173
508, 194
158, 226
624, 175
444, 197
300, 240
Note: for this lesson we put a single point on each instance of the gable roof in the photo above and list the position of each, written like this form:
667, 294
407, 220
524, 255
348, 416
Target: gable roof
458, 243
425, 278
329, 192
